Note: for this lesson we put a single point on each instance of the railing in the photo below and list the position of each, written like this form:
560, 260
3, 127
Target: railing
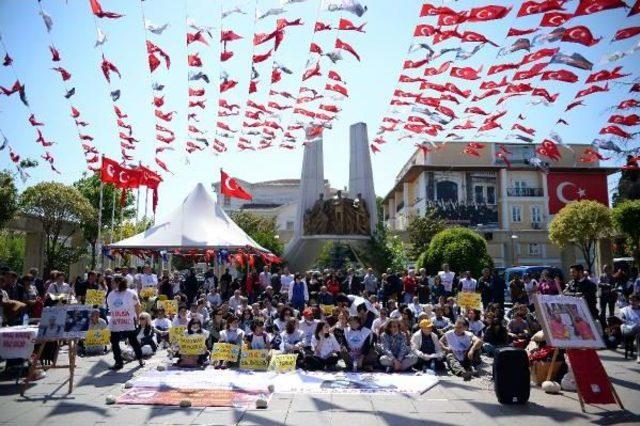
524, 192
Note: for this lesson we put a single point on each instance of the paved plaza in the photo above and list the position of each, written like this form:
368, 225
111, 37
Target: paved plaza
451, 402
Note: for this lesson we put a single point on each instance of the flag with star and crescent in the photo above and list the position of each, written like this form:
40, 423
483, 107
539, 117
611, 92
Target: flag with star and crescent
230, 188
567, 187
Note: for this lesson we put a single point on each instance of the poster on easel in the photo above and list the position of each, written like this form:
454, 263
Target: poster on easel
76, 321
52, 323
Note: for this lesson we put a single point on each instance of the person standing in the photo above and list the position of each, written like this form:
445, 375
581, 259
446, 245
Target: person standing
409, 287
286, 280
298, 293
580, 286
225, 284
352, 283
124, 308
485, 284
446, 278
370, 283
423, 286
608, 295
468, 284
148, 278
264, 278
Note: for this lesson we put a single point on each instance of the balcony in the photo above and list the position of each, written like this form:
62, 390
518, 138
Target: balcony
524, 192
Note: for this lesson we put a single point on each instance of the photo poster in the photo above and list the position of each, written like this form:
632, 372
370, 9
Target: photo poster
469, 300
97, 337
567, 322
52, 323
76, 321
254, 359
95, 297
175, 332
283, 363
225, 352
192, 344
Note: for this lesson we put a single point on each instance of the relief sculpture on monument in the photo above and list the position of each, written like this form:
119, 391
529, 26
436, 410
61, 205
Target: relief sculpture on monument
337, 216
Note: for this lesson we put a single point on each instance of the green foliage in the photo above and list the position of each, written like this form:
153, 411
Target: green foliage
626, 219
628, 186
263, 230
335, 256
582, 224
12, 251
462, 248
9, 197
61, 210
421, 230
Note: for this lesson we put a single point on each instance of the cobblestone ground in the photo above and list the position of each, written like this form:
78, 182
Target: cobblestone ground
451, 402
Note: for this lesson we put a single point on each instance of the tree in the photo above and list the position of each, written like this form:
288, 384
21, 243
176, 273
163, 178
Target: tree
9, 197
89, 187
626, 218
263, 230
12, 251
335, 255
581, 224
629, 183
462, 248
421, 230
61, 210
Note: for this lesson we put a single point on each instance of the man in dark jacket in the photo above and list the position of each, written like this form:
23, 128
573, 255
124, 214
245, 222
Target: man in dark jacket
581, 286
352, 283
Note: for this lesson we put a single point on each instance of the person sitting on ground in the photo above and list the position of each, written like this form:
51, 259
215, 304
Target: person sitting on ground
292, 341
308, 326
145, 336
358, 354
462, 350
182, 319
195, 327
426, 347
233, 335
324, 297
476, 326
215, 327
95, 323
415, 306
161, 326
213, 298
235, 302
441, 323
630, 317
397, 355
366, 316
246, 321
518, 330
496, 334
380, 323
326, 349
258, 338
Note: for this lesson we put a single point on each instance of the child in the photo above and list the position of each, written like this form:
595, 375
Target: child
358, 353
476, 326
161, 326
233, 335
258, 338
325, 349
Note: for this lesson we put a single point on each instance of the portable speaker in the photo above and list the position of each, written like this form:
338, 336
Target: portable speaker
511, 377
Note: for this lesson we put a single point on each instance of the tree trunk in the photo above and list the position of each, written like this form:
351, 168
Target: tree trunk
93, 255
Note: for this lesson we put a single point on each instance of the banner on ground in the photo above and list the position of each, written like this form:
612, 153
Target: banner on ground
192, 344
175, 332
254, 359
95, 297
469, 300
97, 337
283, 363
225, 352
148, 292
170, 306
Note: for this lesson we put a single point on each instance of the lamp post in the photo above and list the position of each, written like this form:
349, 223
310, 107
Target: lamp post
514, 239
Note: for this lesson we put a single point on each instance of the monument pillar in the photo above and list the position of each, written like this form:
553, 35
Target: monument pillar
311, 182
360, 172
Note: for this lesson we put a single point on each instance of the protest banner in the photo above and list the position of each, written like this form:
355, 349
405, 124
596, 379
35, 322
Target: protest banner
16, 342
327, 309
175, 332
97, 337
254, 359
469, 300
170, 306
148, 292
283, 363
95, 297
225, 352
192, 344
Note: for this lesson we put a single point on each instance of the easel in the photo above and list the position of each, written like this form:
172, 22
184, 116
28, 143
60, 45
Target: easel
73, 343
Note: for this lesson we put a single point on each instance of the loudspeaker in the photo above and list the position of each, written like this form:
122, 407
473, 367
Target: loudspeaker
511, 376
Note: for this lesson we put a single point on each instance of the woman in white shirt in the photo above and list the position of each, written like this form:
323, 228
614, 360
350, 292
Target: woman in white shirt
123, 305
325, 349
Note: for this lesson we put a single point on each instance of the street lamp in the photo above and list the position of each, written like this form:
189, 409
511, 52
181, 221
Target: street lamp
514, 239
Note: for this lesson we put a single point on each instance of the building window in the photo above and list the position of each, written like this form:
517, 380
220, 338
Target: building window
536, 214
447, 191
227, 200
479, 194
289, 225
534, 249
516, 214
491, 194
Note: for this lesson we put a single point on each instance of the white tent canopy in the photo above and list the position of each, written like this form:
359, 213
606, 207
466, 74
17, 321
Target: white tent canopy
198, 223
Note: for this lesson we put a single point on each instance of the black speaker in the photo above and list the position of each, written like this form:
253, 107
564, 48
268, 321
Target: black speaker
511, 376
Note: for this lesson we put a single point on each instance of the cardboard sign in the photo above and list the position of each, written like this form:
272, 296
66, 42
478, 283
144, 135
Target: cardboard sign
170, 306
225, 352
283, 363
192, 344
254, 359
97, 337
148, 292
469, 300
327, 309
175, 332
16, 343
95, 297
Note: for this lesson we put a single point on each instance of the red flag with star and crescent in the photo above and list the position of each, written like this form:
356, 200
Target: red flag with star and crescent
230, 188
567, 187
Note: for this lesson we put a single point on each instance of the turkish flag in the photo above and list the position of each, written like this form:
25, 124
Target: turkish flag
626, 33
579, 34
606, 75
424, 30
487, 13
109, 170
615, 130
494, 69
588, 7
230, 188
567, 187
537, 55
532, 7
629, 120
555, 19
560, 75
635, 9
466, 73
515, 32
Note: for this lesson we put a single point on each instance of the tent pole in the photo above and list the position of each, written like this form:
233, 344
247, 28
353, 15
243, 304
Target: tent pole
113, 222
121, 233
99, 241
146, 200
137, 204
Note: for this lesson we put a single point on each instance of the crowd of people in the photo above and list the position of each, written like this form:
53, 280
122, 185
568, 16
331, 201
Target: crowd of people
332, 319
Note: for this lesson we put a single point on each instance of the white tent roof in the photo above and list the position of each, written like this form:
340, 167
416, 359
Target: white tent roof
198, 223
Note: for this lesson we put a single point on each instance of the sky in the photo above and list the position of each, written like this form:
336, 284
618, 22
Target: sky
371, 82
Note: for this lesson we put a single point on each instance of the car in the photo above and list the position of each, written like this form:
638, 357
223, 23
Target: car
533, 271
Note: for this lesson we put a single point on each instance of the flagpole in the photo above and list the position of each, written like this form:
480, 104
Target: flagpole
137, 204
121, 230
113, 221
99, 242
146, 200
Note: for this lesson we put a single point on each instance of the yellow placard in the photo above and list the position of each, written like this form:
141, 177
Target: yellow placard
283, 363
225, 352
254, 359
170, 306
95, 297
327, 309
175, 332
162, 297
97, 337
469, 300
192, 344
147, 292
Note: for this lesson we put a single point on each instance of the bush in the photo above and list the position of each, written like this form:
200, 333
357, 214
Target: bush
462, 248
